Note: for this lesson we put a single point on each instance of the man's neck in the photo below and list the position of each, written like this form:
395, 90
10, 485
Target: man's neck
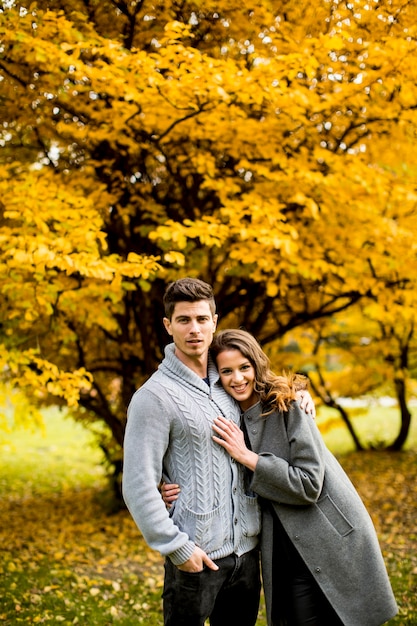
198, 365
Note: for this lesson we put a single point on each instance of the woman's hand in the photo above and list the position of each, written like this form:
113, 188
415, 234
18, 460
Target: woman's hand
231, 438
169, 493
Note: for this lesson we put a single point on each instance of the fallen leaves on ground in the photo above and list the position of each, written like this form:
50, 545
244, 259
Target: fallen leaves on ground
387, 483
62, 553
68, 546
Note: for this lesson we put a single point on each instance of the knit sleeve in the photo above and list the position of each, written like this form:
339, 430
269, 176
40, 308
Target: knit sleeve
146, 441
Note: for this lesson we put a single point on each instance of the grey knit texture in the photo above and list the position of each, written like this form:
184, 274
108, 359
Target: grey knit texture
169, 434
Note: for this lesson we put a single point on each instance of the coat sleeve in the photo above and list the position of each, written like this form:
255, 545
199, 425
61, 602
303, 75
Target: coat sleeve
298, 479
145, 444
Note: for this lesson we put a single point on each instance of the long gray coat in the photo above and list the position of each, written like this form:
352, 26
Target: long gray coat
322, 514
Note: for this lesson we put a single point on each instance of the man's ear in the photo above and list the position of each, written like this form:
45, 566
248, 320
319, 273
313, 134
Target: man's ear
215, 319
167, 324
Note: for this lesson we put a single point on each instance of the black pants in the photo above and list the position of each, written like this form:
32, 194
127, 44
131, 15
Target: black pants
227, 596
309, 606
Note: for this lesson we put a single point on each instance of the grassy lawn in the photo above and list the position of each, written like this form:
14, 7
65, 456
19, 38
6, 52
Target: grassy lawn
66, 557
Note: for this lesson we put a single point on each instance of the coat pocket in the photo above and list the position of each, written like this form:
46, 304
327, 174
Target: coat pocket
335, 516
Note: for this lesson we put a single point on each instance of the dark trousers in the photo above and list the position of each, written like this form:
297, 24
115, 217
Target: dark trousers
227, 596
309, 605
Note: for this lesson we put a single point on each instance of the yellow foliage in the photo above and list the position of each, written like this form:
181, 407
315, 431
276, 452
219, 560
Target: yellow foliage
270, 150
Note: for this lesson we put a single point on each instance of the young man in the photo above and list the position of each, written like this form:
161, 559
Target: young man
210, 535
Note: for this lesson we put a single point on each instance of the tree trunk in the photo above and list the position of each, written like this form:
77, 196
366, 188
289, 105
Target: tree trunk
330, 402
400, 388
345, 418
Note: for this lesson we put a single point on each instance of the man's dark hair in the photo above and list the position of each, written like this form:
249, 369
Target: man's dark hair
187, 290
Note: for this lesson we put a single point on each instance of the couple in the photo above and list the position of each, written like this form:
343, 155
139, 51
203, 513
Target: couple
320, 556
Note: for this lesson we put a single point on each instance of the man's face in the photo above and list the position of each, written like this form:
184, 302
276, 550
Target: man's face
192, 327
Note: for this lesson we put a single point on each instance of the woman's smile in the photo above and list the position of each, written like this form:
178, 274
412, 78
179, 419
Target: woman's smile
237, 376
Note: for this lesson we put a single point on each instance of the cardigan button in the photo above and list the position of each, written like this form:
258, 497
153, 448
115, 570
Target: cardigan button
318, 570
254, 431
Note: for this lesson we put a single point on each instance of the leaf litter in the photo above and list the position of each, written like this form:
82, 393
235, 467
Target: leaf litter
65, 558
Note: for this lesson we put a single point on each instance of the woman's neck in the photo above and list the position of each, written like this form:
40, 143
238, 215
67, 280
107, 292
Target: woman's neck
247, 404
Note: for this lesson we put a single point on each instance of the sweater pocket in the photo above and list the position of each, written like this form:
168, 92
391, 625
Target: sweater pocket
208, 530
250, 515
335, 516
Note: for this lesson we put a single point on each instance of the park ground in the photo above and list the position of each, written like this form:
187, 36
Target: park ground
68, 556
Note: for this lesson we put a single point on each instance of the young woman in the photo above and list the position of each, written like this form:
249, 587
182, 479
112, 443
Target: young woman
321, 560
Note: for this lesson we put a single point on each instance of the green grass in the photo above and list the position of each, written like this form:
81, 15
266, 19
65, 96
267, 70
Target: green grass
375, 426
62, 455
64, 558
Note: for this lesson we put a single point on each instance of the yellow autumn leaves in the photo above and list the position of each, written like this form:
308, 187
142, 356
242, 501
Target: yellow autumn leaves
270, 151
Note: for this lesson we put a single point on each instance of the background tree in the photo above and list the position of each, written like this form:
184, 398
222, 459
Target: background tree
366, 354
268, 150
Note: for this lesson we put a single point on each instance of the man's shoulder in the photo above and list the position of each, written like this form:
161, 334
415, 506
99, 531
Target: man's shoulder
159, 384
153, 383
150, 397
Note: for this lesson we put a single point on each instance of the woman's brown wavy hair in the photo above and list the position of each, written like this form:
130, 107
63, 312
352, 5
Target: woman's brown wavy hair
275, 392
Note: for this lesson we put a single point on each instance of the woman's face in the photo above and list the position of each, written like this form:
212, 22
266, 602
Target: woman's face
237, 376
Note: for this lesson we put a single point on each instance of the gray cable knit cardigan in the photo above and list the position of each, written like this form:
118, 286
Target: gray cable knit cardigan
169, 433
